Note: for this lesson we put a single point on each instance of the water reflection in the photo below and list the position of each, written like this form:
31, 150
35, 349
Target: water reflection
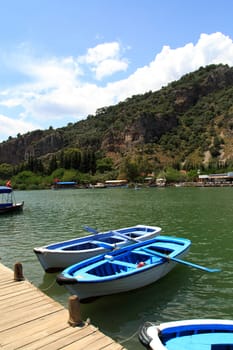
203, 215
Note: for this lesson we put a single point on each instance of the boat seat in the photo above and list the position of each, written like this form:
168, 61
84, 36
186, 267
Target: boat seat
85, 276
123, 263
140, 251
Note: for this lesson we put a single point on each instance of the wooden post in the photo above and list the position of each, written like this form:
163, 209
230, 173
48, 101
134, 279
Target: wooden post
18, 272
74, 311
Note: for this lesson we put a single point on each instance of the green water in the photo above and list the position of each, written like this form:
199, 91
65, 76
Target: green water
204, 215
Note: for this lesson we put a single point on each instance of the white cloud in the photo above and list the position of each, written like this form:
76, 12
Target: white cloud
172, 64
11, 127
101, 52
52, 73
58, 89
109, 67
105, 60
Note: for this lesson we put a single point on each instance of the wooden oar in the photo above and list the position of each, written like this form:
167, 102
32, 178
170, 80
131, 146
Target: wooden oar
180, 261
125, 236
167, 257
92, 230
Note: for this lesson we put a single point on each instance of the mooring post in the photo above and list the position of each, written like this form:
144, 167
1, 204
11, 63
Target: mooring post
18, 272
74, 311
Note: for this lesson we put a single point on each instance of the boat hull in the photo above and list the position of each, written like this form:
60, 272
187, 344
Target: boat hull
58, 256
87, 291
10, 209
55, 261
198, 334
136, 275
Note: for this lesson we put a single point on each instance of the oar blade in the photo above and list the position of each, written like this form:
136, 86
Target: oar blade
214, 270
90, 229
196, 266
184, 262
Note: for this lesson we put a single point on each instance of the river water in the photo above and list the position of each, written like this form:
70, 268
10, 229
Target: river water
204, 215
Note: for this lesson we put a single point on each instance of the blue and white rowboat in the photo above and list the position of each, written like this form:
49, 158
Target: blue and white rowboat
124, 269
57, 256
199, 334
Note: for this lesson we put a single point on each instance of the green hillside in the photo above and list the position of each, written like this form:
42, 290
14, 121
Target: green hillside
185, 125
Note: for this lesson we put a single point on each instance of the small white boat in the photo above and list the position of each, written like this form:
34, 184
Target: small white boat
99, 185
199, 334
124, 269
57, 256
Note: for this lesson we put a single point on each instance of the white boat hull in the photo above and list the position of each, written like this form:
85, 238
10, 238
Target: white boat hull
53, 260
125, 283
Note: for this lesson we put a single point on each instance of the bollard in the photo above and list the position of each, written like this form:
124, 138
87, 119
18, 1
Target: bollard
18, 272
74, 311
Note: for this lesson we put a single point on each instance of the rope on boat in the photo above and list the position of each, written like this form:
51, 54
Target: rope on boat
50, 286
132, 336
125, 340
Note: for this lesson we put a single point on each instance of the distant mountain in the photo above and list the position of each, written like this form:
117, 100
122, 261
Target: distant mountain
187, 123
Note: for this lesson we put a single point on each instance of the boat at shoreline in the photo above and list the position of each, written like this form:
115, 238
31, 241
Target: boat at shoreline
64, 185
57, 256
197, 334
124, 269
99, 185
8, 202
116, 183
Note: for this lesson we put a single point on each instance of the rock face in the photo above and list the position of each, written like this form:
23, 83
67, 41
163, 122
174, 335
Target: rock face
34, 144
184, 110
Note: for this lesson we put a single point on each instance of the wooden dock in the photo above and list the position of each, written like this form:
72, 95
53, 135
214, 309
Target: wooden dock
32, 320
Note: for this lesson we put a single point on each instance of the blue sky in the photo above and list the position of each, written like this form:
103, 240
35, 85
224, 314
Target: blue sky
61, 60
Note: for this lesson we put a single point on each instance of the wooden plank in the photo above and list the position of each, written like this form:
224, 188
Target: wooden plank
60, 339
32, 320
102, 342
11, 286
17, 302
52, 340
114, 346
86, 342
36, 329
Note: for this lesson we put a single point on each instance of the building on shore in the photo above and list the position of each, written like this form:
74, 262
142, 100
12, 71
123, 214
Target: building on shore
224, 179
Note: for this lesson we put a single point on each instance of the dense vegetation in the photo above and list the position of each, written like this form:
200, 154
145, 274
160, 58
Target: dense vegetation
180, 130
